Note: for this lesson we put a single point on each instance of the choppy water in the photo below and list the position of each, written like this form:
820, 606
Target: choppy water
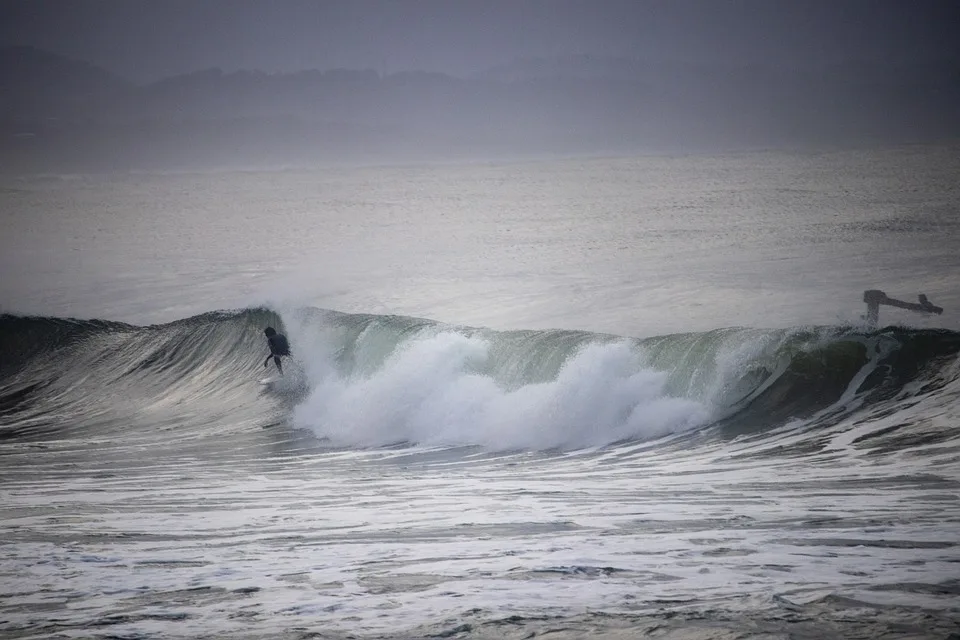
590, 398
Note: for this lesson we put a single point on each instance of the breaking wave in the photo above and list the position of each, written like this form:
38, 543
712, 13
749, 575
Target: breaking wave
360, 380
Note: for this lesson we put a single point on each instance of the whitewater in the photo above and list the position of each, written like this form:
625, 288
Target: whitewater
609, 397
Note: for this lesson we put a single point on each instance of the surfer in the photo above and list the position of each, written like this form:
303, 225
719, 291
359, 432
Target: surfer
278, 347
874, 298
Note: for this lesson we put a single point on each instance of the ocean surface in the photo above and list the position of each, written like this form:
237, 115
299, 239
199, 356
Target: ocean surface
567, 398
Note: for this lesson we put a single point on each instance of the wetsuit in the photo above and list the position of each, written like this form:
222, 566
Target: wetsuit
278, 347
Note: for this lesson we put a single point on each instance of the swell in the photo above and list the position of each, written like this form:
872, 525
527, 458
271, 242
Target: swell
60, 377
65, 375
834, 372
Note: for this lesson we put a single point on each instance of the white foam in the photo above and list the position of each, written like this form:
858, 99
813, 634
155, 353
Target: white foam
432, 391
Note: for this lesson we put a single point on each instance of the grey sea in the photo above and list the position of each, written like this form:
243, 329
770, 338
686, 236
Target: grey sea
564, 398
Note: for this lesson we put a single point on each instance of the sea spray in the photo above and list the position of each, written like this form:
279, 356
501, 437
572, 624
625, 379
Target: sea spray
435, 390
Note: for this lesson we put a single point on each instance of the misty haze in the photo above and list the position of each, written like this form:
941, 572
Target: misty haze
479, 320
100, 86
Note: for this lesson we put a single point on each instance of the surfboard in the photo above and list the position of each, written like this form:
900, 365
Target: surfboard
268, 380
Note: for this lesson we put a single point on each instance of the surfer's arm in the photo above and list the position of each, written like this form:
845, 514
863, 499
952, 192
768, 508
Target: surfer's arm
267, 361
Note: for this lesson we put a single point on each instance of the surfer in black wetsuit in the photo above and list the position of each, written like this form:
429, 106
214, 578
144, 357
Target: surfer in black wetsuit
278, 347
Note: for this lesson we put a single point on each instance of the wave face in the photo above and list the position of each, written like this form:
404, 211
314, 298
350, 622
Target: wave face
361, 381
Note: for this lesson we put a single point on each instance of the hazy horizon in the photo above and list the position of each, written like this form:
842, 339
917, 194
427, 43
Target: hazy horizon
530, 78
146, 41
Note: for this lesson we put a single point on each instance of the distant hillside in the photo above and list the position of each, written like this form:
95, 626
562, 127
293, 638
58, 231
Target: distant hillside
27, 66
39, 84
578, 66
59, 114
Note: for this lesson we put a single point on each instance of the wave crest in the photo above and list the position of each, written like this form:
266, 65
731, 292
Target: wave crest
369, 380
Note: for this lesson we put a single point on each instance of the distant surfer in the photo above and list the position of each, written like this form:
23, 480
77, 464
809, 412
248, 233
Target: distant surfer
278, 347
874, 298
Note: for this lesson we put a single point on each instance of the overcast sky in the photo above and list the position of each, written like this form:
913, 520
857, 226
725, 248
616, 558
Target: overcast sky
145, 40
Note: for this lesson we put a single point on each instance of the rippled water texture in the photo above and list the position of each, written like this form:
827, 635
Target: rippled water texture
609, 398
